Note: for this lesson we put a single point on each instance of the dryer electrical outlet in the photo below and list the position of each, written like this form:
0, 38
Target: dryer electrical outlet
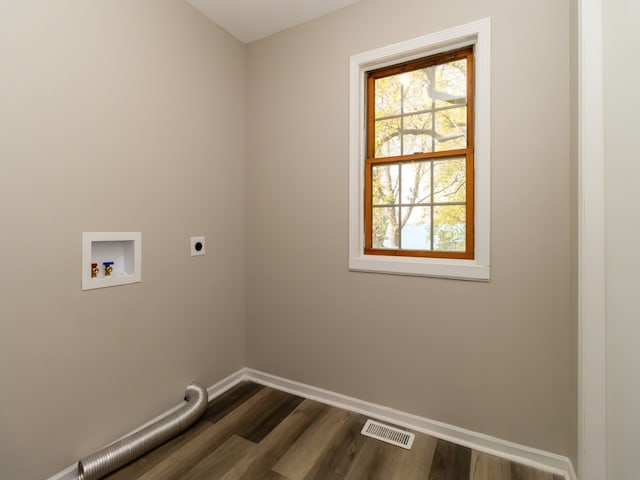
197, 246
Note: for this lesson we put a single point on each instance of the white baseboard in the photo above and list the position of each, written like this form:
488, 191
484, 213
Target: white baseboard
226, 383
550, 462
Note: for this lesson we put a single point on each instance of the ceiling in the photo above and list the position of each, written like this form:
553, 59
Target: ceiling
250, 20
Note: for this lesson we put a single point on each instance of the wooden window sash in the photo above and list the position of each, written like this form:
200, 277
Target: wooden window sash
467, 152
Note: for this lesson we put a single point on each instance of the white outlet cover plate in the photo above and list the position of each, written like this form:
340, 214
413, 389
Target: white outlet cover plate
194, 242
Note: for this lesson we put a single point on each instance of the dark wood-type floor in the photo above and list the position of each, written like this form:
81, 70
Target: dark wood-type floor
253, 432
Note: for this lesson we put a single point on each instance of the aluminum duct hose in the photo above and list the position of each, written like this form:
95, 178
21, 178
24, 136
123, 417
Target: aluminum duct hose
123, 451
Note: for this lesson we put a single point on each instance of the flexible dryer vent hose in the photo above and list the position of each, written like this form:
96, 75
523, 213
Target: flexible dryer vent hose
129, 448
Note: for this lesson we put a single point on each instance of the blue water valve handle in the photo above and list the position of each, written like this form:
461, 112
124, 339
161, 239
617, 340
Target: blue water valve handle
107, 268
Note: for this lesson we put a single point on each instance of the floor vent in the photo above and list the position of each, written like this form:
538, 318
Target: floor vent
388, 434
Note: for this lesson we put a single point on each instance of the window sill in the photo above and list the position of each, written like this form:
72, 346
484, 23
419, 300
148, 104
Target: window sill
423, 267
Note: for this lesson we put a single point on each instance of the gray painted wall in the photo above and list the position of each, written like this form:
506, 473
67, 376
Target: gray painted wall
492, 357
115, 116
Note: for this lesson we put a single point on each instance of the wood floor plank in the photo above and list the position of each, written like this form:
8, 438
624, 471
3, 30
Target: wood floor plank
261, 460
334, 463
489, 467
376, 460
231, 399
145, 463
450, 462
273, 413
416, 463
298, 460
174, 466
523, 472
221, 460
271, 475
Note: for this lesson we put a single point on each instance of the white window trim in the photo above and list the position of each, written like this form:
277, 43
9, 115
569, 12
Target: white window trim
477, 34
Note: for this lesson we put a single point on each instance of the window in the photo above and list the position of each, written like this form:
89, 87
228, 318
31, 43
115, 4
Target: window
418, 192
419, 156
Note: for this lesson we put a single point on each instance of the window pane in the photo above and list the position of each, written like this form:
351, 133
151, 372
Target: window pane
417, 144
386, 233
416, 89
428, 107
417, 134
387, 137
451, 129
416, 182
451, 83
387, 96
449, 228
416, 232
449, 180
385, 185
